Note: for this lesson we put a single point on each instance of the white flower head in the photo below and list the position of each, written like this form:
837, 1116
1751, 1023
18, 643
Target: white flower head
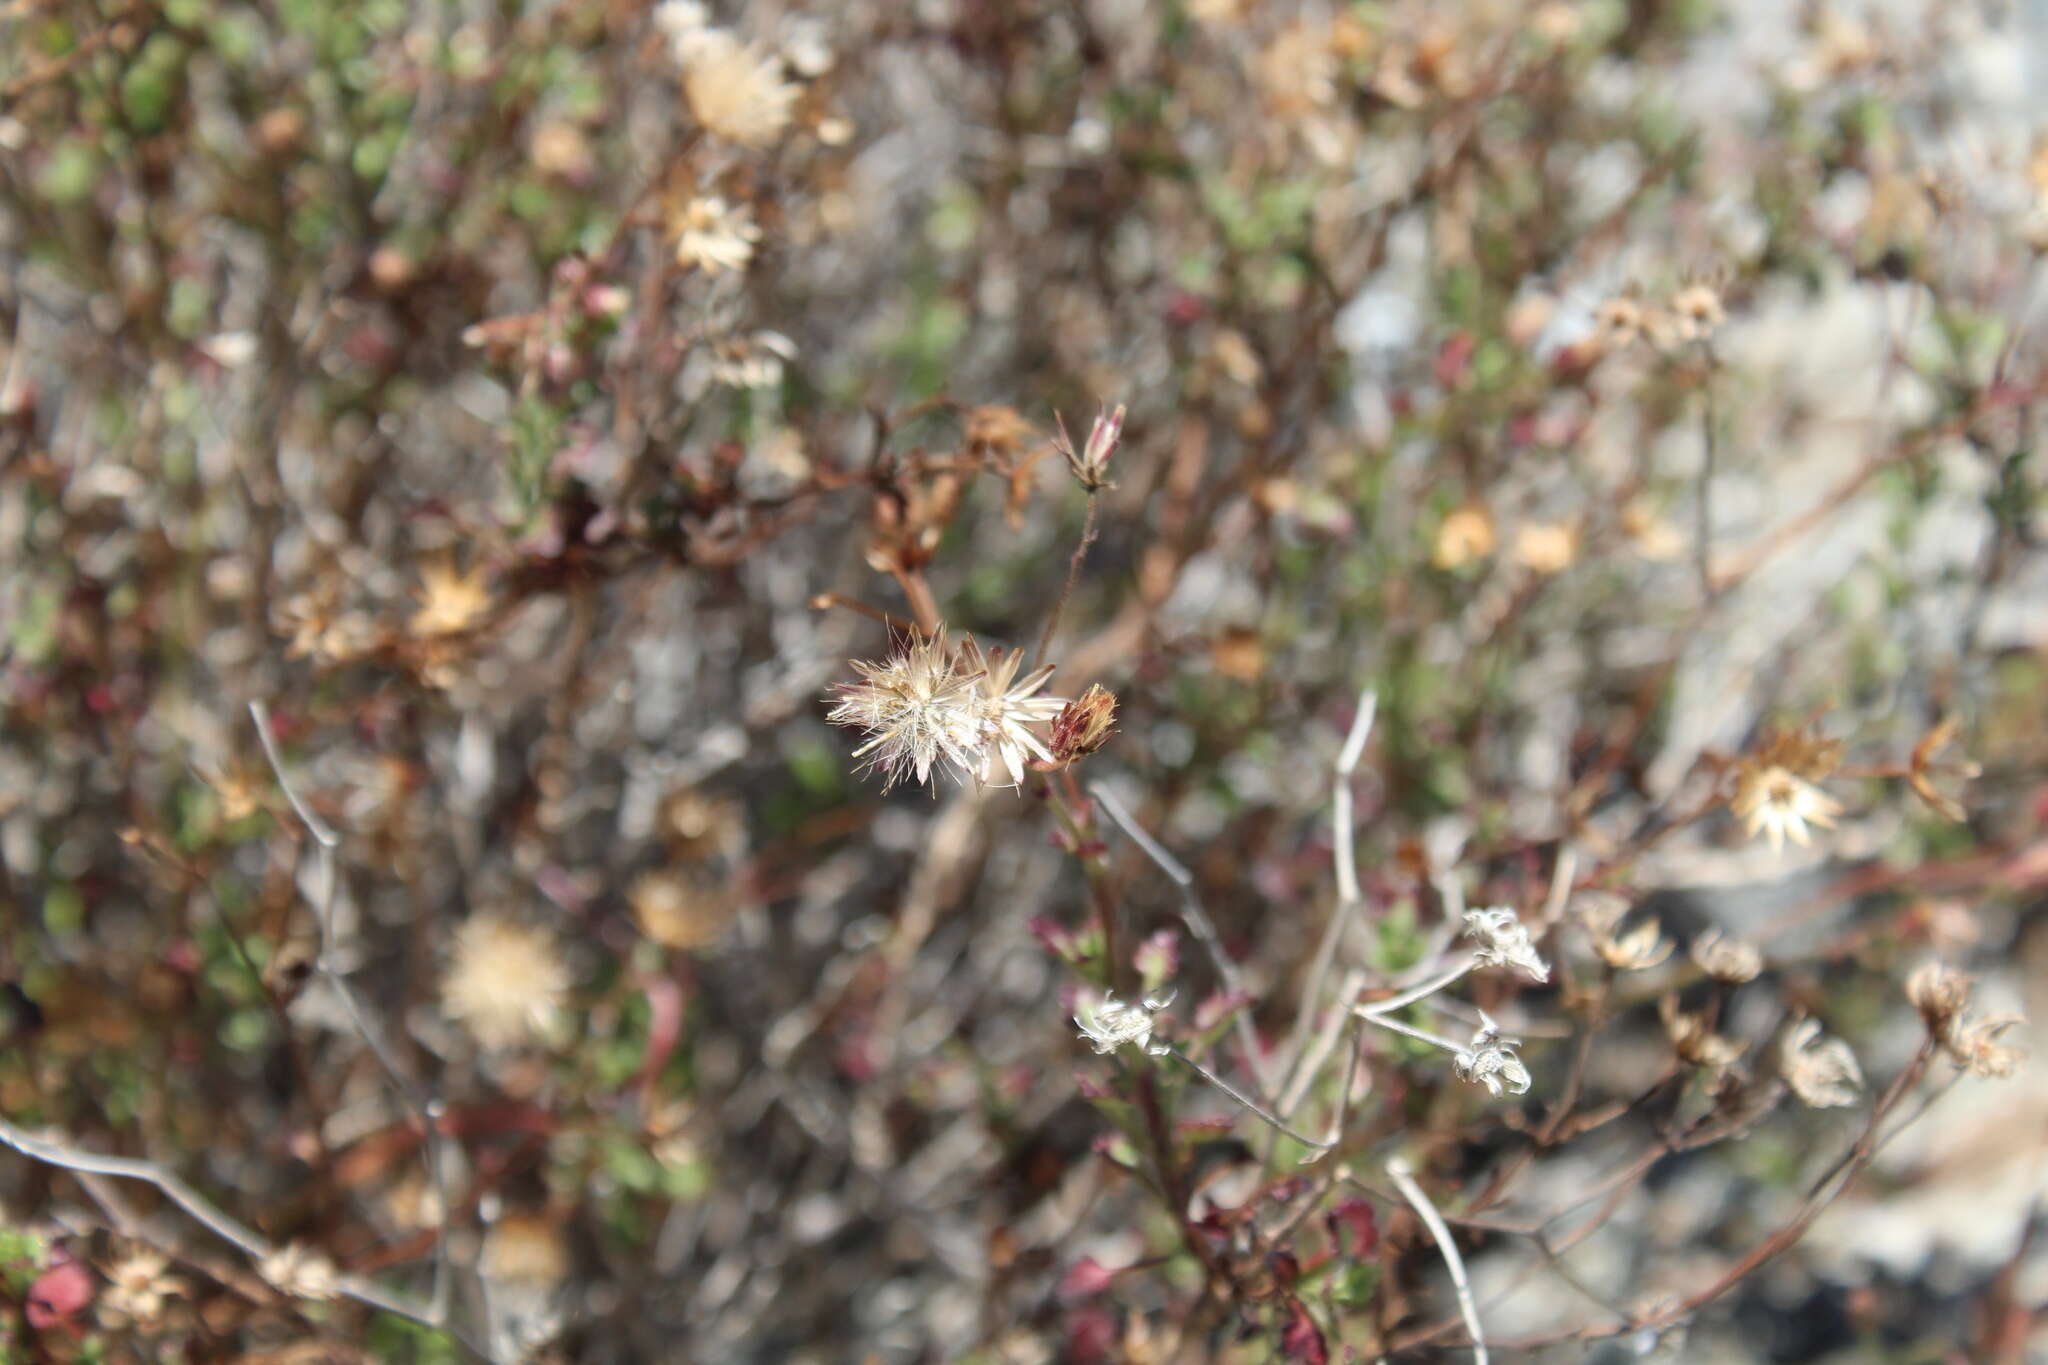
1821, 1071
1490, 1061
301, 1272
918, 708
751, 362
505, 980
1008, 707
1780, 805
712, 235
1504, 941
1114, 1024
1728, 960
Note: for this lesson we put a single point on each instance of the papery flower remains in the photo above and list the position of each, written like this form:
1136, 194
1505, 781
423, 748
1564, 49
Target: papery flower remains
1490, 1060
1504, 941
1114, 1024
1822, 1071
928, 705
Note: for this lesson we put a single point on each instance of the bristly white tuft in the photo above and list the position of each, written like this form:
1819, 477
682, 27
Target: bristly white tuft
918, 708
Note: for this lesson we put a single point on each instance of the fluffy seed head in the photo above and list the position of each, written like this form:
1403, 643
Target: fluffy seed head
1821, 1071
736, 90
505, 982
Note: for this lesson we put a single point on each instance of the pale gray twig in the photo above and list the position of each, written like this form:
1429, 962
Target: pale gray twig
1343, 853
1197, 920
203, 1211
1404, 1180
424, 1112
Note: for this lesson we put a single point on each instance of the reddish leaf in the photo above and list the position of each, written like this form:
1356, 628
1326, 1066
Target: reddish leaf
1057, 939
1091, 1337
58, 1293
664, 1028
1158, 959
1087, 1278
1301, 1339
1356, 1217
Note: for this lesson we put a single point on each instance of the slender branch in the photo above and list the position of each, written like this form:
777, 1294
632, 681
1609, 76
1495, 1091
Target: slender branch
426, 1112
1704, 551
1318, 1146
1344, 855
1052, 622
1420, 1035
204, 1212
1404, 1180
1197, 920
1408, 997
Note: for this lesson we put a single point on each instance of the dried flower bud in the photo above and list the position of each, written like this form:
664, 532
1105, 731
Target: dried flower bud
1920, 773
1639, 949
1085, 725
300, 1272
1694, 1040
1504, 941
1490, 1061
1941, 994
1978, 1051
1114, 1024
1091, 465
1697, 309
1821, 1071
1729, 960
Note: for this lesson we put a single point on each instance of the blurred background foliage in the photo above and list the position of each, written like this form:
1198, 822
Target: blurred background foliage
491, 390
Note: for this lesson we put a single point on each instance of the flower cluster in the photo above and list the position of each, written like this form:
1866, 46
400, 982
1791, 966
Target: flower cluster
1776, 791
1943, 997
1115, 1023
1504, 941
1490, 1060
928, 704
1822, 1071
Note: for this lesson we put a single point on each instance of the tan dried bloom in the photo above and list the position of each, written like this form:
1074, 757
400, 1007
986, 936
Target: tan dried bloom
1694, 1040
712, 235
751, 362
1977, 1050
1941, 994
301, 1272
1641, 948
1697, 312
1730, 960
1821, 1071
1297, 73
560, 149
136, 1289
451, 602
998, 430
1085, 725
736, 90
1653, 537
1619, 322
678, 911
698, 824
1546, 546
505, 981
1465, 534
525, 1248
